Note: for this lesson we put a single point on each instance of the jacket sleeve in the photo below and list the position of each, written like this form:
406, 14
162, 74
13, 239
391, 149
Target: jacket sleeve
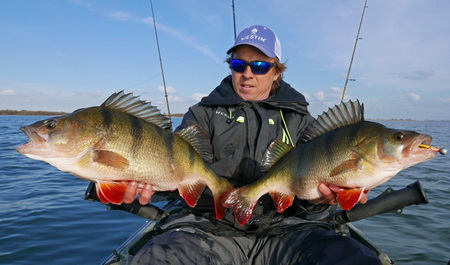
302, 126
196, 114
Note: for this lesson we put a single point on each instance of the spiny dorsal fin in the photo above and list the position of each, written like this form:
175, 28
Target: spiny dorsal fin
198, 139
340, 115
132, 105
274, 152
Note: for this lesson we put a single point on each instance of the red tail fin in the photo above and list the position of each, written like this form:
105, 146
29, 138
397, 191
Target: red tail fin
220, 209
191, 192
348, 198
224, 186
111, 191
282, 200
242, 206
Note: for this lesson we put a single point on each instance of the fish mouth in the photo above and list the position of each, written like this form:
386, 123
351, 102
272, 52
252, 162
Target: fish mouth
422, 147
35, 140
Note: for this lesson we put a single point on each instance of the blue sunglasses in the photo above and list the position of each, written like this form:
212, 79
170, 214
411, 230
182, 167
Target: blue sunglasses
258, 67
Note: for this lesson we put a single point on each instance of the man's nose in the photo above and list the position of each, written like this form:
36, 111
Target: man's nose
248, 72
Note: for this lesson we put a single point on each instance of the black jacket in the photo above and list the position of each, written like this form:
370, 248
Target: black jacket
240, 131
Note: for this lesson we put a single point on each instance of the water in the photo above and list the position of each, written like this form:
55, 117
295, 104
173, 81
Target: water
44, 219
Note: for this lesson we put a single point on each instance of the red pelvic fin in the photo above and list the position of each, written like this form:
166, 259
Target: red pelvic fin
242, 207
282, 200
191, 192
348, 198
100, 195
111, 191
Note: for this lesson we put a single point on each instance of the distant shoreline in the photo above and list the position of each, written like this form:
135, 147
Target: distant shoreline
175, 115
48, 113
31, 112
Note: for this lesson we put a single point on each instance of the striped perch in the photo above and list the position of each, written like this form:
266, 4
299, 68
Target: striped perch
342, 150
126, 139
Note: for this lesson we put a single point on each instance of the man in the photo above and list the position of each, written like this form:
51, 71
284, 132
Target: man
250, 109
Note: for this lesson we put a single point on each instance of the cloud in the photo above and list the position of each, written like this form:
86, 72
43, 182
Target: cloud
319, 95
125, 16
194, 98
121, 15
332, 94
186, 39
170, 90
176, 99
336, 89
197, 96
178, 104
323, 99
417, 75
7, 92
81, 3
414, 96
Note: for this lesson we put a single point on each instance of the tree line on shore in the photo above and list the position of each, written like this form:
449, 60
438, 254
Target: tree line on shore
31, 112
48, 113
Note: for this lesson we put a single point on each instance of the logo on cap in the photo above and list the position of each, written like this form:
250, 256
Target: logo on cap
253, 36
260, 37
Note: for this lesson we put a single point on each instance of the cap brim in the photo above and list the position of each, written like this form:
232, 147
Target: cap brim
259, 47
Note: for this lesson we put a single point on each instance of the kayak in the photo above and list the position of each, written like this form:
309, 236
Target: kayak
388, 201
124, 254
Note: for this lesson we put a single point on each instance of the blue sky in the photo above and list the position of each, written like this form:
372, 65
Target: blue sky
68, 54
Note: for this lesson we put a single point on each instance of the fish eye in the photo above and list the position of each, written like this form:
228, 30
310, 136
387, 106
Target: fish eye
399, 136
51, 124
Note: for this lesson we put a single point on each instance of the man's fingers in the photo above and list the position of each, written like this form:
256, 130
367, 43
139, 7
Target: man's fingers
146, 194
334, 188
131, 192
364, 197
328, 195
329, 192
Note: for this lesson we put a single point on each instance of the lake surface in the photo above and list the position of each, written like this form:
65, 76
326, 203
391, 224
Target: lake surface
44, 219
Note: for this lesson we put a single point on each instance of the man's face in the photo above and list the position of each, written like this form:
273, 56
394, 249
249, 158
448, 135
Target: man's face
248, 85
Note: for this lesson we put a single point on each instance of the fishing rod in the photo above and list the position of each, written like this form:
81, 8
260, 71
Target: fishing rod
234, 18
354, 49
160, 63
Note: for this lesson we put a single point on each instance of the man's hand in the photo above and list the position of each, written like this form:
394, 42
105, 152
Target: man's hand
136, 188
329, 192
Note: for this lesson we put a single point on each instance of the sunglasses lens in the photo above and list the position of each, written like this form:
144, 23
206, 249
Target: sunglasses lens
260, 67
238, 65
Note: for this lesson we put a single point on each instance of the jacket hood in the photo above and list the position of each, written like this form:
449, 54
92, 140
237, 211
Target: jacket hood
285, 97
